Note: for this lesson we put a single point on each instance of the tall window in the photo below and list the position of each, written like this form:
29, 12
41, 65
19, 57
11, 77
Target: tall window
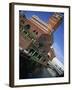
35, 32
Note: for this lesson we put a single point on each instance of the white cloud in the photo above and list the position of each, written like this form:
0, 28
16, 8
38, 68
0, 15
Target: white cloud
58, 52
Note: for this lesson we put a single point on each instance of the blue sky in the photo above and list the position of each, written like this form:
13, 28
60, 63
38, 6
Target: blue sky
58, 44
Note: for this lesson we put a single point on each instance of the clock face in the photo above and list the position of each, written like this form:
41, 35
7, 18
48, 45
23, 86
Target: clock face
43, 43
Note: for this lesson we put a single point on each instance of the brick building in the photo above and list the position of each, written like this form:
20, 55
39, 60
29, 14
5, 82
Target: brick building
36, 37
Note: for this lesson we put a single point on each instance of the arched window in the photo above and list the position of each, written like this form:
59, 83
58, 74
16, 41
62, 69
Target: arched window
34, 30
44, 60
36, 33
27, 27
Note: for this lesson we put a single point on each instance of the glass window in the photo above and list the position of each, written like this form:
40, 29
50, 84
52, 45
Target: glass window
36, 54
39, 57
44, 60
27, 27
31, 51
36, 33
